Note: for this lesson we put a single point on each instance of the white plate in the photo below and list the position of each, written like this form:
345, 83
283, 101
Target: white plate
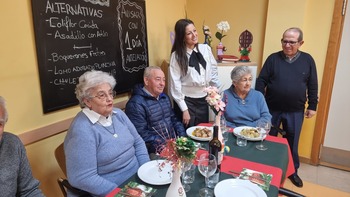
151, 173
237, 131
191, 129
238, 187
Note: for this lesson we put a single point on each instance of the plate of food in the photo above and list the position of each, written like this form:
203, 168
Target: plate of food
250, 133
200, 133
156, 172
238, 187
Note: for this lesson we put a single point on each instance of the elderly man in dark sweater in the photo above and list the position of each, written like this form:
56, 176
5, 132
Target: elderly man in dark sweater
16, 177
289, 80
150, 110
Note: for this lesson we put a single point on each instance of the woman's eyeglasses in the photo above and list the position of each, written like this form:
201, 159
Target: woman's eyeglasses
104, 95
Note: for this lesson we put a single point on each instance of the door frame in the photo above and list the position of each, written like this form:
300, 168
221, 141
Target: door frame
328, 79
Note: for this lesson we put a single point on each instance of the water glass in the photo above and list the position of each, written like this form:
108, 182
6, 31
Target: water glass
241, 140
188, 177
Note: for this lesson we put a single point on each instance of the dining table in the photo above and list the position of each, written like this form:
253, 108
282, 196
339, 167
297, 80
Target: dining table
276, 160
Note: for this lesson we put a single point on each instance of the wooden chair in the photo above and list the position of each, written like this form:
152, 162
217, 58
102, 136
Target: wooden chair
63, 183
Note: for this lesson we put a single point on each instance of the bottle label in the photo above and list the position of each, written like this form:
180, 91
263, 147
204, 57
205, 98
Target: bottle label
220, 157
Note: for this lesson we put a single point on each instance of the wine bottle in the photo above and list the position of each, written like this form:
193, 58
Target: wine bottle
215, 146
215, 149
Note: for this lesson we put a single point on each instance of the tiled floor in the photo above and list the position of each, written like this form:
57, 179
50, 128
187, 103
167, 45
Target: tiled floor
321, 181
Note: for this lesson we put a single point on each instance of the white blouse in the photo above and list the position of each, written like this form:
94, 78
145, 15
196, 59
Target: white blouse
192, 84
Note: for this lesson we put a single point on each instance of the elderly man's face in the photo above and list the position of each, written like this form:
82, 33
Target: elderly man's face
155, 83
2, 121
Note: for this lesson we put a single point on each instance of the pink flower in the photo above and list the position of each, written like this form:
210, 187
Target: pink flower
214, 99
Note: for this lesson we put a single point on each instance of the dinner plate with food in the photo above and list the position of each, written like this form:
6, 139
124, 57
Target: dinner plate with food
200, 133
250, 133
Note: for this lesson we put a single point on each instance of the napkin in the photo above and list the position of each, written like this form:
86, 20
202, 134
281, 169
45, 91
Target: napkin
263, 180
135, 189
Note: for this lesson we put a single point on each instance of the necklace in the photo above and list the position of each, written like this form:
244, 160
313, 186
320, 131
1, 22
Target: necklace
113, 133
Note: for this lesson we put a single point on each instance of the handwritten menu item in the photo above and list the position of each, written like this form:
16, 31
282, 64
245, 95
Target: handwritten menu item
73, 37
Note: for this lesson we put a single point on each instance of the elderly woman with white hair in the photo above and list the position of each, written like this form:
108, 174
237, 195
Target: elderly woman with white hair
16, 177
244, 105
102, 147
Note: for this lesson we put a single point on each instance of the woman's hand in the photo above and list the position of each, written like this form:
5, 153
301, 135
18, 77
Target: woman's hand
186, 117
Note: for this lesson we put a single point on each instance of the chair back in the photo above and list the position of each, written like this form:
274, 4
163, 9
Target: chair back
61, 158
63, 183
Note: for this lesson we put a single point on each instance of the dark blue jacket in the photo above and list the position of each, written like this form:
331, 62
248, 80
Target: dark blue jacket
154, 119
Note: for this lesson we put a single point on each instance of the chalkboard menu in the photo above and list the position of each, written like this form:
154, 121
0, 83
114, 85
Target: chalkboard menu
74, 36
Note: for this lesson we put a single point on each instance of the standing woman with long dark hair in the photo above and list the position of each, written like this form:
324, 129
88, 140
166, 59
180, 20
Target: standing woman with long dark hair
192, 68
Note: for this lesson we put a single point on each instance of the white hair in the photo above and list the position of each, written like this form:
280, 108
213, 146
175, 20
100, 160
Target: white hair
3, 107
89, 80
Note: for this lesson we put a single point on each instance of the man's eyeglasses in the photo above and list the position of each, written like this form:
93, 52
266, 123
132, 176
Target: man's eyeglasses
104, 95
291, 43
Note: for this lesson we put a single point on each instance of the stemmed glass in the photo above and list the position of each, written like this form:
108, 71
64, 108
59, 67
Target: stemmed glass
207, 166
263, 127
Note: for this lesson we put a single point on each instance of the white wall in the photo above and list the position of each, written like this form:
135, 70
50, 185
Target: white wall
337, 131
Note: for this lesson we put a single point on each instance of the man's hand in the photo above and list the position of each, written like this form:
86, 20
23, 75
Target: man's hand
309, 113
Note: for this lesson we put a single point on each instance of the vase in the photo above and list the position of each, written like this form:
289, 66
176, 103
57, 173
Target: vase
220, 51
218, 123
176, 189
218, 119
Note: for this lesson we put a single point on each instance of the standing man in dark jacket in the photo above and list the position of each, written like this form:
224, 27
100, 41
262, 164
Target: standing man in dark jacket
289, 79
150, 110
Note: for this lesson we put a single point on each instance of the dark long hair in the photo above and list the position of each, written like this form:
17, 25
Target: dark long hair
179, 45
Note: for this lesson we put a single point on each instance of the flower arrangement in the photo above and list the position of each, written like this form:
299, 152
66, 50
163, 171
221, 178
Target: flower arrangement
223, 26
179, 150
214, 99
207, 35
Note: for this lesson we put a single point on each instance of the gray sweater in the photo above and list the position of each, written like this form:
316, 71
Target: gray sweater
16, 177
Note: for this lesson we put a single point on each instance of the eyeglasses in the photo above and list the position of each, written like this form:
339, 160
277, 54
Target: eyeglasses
291, 43
246, 80
104, 95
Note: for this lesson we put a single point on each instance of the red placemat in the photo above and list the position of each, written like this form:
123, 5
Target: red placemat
114, 192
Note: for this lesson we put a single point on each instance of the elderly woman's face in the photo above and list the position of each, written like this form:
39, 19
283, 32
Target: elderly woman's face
102, 99
244, 84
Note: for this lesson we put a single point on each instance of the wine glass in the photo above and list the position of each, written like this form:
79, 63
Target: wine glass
207, 166
263, 127
188, 172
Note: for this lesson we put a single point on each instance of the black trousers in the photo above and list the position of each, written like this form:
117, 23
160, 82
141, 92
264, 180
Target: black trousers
198, 109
